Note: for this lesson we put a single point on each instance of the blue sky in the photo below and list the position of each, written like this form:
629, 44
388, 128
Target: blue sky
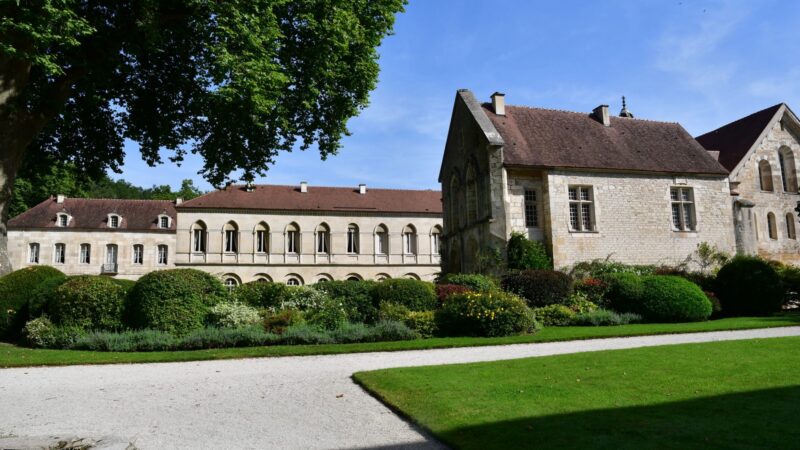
699, 63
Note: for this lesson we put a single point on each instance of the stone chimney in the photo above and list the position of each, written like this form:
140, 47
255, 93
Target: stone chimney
60, 198
362, 188
499, 103
601, 115
304, 186
178, 201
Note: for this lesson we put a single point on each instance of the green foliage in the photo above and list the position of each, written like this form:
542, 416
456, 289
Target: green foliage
233, 315
604, 317
443, 291
600, 268
472, 281
625, 291
790, 277
260, 294
484, 314
89, 302
580, 303
15, 290
554, 315
356, 297
708, 257
42, 296
524, 253
392, 311
666, 298
422, 322
41, 332
539, 287
749, 286
280, 321
176, 300
413, 294
594, 289
328, 314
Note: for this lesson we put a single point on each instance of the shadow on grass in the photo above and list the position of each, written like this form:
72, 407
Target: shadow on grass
764, 419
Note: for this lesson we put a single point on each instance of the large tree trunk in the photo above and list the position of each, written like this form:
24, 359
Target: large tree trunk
8, 171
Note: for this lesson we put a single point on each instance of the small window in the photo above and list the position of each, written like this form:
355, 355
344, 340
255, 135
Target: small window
790, 229
231, 283
138, 254
199, 240
113, 221
323, 239
292, 239
436, 240
162, 255
163, 222
409, 240
772, 226
581, 208
33, 253
353, 278
86, 252
63, 220
60, 254
531, 214
293, 281
682, 209
381, 241
231, 238
352, 239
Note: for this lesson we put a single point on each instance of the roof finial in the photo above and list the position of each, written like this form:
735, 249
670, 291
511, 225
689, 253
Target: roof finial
625, 112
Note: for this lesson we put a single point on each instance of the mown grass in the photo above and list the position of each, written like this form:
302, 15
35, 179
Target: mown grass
15, 356
731, 395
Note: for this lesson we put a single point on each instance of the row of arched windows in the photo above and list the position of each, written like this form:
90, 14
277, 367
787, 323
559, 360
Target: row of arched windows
293, 239
232, 280
787, 168
772, 226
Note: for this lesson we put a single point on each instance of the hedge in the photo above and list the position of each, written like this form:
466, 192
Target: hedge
260, 294
484, 314
90, 302
413, 294
539, 287
658, 298
472, 281
356, 297
15, 289
749, 286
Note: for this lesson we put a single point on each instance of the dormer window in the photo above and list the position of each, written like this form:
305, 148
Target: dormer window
62, 220
163, 221
114, 221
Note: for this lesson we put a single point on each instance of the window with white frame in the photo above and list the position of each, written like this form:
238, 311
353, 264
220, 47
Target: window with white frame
60, 254
581, 208
162, 255
231, 283
199, 240
113, 221
682, 199
261, 241
292, 239
381, 241
138, 254
352, 239
531, 214
436, 239
86, 254
323, 237
163, 222
409, 240
231, 238
62, 220
33, 253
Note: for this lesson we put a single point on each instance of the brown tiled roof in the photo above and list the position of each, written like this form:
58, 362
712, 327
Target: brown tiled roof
90, 213
564, 139
735, 139
339, 199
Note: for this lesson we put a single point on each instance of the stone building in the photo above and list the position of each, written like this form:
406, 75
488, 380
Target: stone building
760, 151
588, 185
292, 234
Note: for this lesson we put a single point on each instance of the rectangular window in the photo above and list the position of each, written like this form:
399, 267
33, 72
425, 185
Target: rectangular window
408, 243
200, 241
114, 221
581, 208
322, 242
164, 222
33, 253
231, 241
138, 254
162, 255
291, 242
435, 238
682, 199
352, 240
531, 215
63, 220
60, 255
381, 243
261, 241
86, 251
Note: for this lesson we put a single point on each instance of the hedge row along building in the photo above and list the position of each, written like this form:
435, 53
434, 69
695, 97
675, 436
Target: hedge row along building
292, 234
593, 186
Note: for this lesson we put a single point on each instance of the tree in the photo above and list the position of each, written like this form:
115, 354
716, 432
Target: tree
235, 81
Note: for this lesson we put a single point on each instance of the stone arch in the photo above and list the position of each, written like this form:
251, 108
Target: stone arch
198, 234
231, 281
381, 234
411, 276
383, 277
323, 277
791, 231
294, 279
262, 277
230, 237
453, 202
353, 277
772, 226
410, 239
788, 170
765, 175
471, 185
322, 238
436, 240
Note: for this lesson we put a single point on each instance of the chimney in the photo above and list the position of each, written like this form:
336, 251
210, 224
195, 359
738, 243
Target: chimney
304, 186
601, 115
499, 103
362, 188
60, 198
178, 201
248, 187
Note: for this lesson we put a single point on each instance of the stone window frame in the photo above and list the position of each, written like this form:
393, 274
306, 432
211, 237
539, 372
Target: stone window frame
788, 168
34, 253
199, 229
772, 226
261, 238
582, 208
322, 239
381, 240
60, 257
765, 182
230, 281
791, 228
85, 257
161, 218
436, 240
230, 237
114, 221
530, 207
353, 233
294, 279
410, 246
293, 239
471, 184
162, 254
63, 220
683, 209
137, 254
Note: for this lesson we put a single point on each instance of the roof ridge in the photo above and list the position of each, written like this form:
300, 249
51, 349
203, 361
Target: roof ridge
355, 188
747, 117
117, 199
588, 114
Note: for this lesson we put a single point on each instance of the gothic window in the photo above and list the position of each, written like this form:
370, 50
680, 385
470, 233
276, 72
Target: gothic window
409, 240
292, 239
765, 175
790, 229
352, 239
581, 208
381, 240
682, 209
772, 226
231, 238
323, 237
262, 242
199, 237
788, 175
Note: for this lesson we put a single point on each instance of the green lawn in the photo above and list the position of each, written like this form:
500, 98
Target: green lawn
736, 394
13, 356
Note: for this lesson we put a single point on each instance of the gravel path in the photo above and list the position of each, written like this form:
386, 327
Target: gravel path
286, 403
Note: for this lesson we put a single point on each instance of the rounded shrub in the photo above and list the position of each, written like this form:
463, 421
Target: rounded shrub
329, 314
15, 289
356, 296
176, 300
42, 297
413, 294
484, 314
539, 287
669, 298
524, 253
554, 315
89, 302
233, 315
259, 294
624, 291
749, 286
472, 281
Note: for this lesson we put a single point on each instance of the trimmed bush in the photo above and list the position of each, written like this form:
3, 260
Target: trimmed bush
329, 314
413, 294
524, 254
422, 322
599, 268
15, 290
302, 298
539, 287
392, 311
625, 291
89, 302
356, 296
673, 299
604, 317
126, 341
233, 315
749, 286
176, 300
484, 314
579, 302
554, 315
259, 294
472, 281
41, 298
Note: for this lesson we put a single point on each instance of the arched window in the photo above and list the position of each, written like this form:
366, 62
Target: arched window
323, 237
353, 277
230, 281
409, 240
765, 175
790, 229
324, 278
773, 227
436, 240
262, 238
472, 195
294, 280
199, 237
411, 276
293, 238
263, 278
788, 173
352, 239
231, 237
382, 277
455, 192
381, 240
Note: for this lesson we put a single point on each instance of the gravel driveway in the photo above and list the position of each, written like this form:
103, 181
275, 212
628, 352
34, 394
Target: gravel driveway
284, 403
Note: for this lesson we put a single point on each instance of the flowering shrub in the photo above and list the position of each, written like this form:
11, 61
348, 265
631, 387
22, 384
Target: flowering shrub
579, 302
41, 332
554, 315
484, 314
233, 315
594, 289
328, 313
446, 290
423, 322
302, 298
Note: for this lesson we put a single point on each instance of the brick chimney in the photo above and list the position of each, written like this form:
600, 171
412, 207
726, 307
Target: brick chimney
304, 186
499, 103
601, 115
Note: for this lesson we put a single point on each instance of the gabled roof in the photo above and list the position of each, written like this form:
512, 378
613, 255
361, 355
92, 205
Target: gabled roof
92, 214
563, 139
734, 140
329, 199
